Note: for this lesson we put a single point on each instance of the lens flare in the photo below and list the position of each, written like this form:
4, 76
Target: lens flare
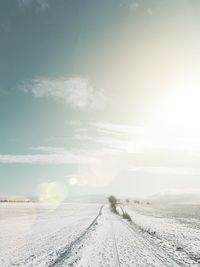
52, 192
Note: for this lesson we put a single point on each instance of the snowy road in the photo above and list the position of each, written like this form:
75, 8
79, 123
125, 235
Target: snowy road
135, 250
81, 235
123, 246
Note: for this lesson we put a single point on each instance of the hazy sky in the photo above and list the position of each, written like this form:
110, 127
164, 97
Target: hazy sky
99, 97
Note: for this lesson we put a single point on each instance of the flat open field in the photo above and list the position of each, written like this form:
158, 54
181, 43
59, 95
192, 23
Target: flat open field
90, 235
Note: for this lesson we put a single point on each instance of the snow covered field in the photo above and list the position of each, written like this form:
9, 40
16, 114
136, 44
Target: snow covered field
87, 235
172, 229
36, 234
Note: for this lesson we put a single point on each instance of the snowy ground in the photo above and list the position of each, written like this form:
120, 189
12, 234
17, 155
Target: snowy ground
36, 234
175, 233
85, 235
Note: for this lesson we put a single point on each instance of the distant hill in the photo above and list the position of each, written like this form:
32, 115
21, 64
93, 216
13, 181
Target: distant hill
102, 199
176, 198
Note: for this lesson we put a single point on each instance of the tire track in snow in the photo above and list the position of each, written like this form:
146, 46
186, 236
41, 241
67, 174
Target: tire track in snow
66, 251
116, 254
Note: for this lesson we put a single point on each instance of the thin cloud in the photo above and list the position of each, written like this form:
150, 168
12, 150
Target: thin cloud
76, 92
136, 138
49, 149
39, 5
149, 11
130, 4
5, 27
133, 5
54, 158
119, 129
166, 170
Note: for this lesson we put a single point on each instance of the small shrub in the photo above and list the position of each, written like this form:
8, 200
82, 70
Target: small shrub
150, 232
126, 216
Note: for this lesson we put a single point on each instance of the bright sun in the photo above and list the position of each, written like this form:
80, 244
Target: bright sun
179, 107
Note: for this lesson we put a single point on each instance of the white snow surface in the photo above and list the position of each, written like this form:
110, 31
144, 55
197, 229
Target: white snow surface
35, 234
83, 235
180, 240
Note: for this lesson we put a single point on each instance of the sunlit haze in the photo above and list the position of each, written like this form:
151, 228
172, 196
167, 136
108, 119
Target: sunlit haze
99, 97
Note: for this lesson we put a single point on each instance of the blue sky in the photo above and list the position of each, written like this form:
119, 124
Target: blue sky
99, 96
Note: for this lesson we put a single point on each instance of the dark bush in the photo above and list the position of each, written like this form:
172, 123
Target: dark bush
126, 216
113, 204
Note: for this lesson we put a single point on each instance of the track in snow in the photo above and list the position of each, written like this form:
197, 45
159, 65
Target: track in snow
64, 255
117, 243
127, 247
106, 241
116, 254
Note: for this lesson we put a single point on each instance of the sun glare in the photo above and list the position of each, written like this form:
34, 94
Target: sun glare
53, 192
179, 107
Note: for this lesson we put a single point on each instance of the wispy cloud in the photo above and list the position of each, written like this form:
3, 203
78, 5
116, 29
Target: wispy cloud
150, 11
166, 170
120, 137
119, 129
130, 4
51, 158
132, 138
133, 5
48, 149
78, 92
5, 27
131, 147
40, 5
